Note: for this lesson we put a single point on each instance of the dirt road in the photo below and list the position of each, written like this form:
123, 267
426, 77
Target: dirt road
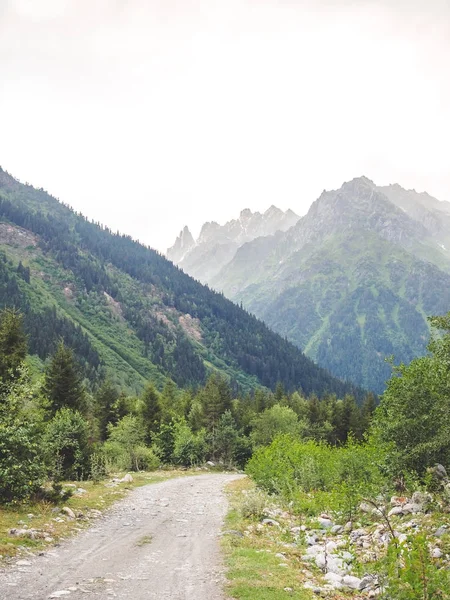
160, 542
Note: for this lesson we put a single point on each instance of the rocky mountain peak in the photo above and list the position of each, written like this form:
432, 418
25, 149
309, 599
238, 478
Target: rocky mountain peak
182, 245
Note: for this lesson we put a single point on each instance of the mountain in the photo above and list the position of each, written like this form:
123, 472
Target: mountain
353, 281
217, 244
126, 310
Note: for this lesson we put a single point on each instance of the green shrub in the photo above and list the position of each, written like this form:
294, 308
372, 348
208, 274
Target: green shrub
253, 503
294, 468
125, 449
410, 573
67, 446
22, 468
189, 448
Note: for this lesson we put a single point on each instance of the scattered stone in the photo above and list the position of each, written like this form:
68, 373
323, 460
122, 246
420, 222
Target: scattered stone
127, 478
69, 512
351, 582
210, 463
368, 582
436, 553
270, 522
396, 511
411, 508
440, 531
337, 529
233, 532
60, 594
438, 471
333, 578
325, 523
23, 563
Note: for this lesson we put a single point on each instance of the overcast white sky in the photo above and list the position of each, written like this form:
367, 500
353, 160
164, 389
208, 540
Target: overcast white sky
151, 114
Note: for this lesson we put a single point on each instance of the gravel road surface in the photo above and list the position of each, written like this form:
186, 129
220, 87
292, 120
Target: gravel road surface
160, 542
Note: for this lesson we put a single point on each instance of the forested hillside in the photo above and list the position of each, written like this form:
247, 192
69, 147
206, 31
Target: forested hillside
353, 281
128, 312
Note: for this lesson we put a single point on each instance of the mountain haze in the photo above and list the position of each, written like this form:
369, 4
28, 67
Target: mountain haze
126, 310
217, 244
353, 281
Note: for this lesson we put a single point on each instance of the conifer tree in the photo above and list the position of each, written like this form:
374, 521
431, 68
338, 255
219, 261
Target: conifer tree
106, 407
13, 345
151, 411
215, 399
63, 385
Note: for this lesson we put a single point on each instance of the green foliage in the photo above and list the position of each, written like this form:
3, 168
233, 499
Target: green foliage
151, 411
106, 408
63, 385
215, 399
413, 414
21, 467
410, 573
295, 468
125, 448
253, 504
13, 346
189, 448
66, 443
226, 439
272, 422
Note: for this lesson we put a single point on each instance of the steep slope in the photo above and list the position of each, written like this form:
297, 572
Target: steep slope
217, 244
353, 281
126, 309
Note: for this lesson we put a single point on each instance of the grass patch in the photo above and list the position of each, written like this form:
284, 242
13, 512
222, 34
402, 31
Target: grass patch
259, 565
44, 516
146, 539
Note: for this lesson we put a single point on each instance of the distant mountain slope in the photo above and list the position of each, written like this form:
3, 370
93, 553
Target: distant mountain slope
217, 244
353, 280
126, 309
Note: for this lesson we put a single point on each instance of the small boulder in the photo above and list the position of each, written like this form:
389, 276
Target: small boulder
127, 479
69, 512
351, 582
440, 531
333, 578
412, 508
325, 523
396, 511
270, 522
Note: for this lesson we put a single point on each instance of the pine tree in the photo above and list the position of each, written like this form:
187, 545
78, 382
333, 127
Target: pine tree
215, 399
151, 411
63, 385
13, 345
106, 407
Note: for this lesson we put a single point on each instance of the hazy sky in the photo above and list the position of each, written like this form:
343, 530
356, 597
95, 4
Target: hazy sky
148, 115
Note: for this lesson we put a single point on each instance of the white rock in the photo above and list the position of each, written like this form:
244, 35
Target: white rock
333, 577
351, 582
127, 479
68, 511
397, 510
60, 593
436, 553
